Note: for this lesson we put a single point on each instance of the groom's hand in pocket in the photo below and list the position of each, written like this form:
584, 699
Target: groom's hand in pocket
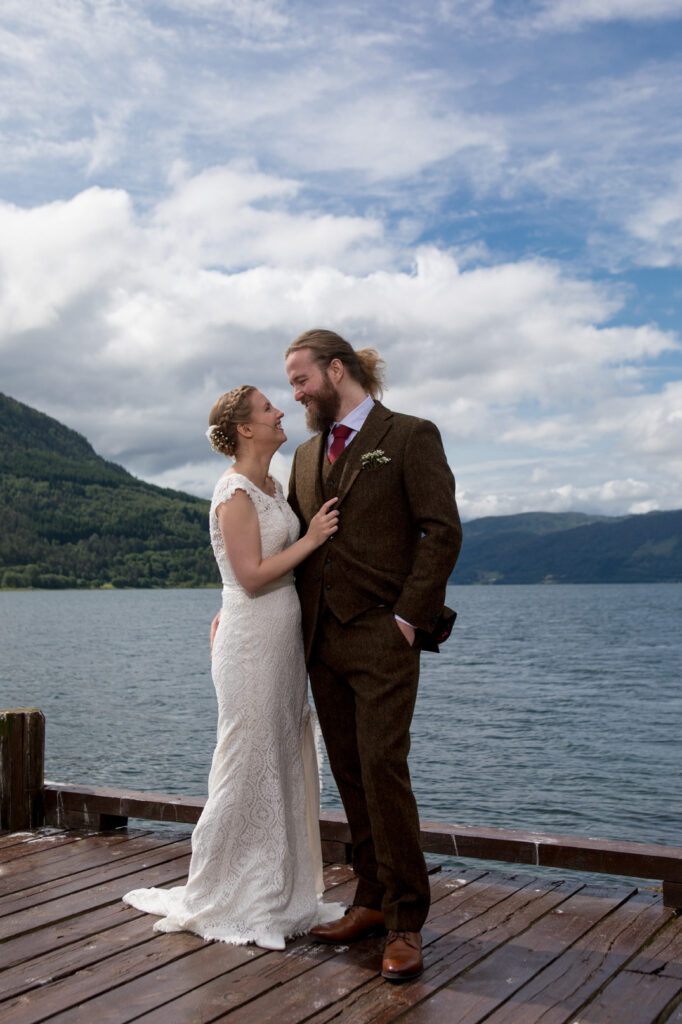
406, 629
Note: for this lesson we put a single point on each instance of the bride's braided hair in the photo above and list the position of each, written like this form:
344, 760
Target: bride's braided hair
231, 408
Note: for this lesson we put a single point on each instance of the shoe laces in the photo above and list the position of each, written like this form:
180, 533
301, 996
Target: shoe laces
407, 937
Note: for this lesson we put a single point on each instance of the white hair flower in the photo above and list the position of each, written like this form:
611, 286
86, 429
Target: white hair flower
216, 438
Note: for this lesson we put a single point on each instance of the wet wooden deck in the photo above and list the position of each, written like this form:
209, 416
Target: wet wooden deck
509, 948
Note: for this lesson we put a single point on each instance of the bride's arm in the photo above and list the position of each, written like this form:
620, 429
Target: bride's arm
239, 527
214, 629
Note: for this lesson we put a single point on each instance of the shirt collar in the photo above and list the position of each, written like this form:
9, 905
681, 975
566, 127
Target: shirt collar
357, 416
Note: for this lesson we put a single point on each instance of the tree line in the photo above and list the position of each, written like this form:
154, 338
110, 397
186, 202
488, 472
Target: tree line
72, 523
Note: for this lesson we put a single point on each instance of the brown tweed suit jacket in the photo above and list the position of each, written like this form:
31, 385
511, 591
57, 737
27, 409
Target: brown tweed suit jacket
399, 530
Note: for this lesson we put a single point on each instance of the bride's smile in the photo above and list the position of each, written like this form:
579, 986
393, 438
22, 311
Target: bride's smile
264, 414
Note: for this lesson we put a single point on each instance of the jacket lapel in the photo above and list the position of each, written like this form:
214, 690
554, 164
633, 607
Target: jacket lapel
366, 440
309, 479
312, 480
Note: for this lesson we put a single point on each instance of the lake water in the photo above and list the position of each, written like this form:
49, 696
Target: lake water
555, 708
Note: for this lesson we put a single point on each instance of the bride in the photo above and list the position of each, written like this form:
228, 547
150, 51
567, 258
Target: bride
256, 868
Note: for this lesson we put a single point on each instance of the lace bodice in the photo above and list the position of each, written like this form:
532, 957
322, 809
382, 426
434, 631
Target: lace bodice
279, 526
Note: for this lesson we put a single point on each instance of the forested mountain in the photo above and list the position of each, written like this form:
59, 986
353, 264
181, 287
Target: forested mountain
542, 547
69, 518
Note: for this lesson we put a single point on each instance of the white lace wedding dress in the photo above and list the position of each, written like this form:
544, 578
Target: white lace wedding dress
256, 868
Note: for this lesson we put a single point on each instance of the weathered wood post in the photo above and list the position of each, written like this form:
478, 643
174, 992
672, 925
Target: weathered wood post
22, 760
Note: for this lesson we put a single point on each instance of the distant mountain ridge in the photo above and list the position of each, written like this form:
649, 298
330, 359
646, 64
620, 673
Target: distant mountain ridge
73, 519
571, 547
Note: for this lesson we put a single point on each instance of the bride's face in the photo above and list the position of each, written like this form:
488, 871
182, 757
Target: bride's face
265, 420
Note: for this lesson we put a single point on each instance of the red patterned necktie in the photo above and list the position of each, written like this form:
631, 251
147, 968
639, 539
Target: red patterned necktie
339, 433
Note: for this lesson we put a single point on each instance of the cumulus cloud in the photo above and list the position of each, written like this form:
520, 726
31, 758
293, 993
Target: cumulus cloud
51, 255
139, 320
361, 109
235, 216
188, 185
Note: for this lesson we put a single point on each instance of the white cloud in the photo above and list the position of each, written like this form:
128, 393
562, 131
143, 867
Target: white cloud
52, 255
626, 496
362, 108
573, 14
658, 227
653, 425
136, 330
235, 216
372, 127
190, 184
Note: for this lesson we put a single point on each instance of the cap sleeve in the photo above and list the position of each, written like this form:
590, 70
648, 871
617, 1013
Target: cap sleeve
227, 487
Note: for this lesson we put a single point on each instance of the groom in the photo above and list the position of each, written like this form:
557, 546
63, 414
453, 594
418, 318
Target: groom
371, 596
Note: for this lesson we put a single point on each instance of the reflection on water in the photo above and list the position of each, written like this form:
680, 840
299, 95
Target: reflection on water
550, 708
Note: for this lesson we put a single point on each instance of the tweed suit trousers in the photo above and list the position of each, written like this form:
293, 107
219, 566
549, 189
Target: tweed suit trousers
364, 679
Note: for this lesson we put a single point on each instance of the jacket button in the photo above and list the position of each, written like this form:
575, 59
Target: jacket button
330, 483
328, 586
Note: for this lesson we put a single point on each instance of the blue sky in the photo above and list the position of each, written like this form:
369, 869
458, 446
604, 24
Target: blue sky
489, 192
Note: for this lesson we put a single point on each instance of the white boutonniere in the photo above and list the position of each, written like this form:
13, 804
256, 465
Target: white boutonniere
370, 460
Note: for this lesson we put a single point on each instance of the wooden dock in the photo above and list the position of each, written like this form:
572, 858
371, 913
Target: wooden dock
505, 948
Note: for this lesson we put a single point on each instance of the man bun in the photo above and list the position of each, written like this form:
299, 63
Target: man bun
364, 365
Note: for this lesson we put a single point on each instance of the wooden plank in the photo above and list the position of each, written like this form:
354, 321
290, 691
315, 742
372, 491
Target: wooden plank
91, 801
13, 838
604, 856
75, 896
339, 877
35, 842
66, 859
45, 890
633, 998
506, 969
460, 931
558, 992
90, 852
664, 954
337, 874
43, 941
35, 944
237, 981
64, 961
458, 922
283, 980
514, 949
86, 995
68, 997
676, 1016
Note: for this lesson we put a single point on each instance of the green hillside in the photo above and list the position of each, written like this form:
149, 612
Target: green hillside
72, 519
541, 547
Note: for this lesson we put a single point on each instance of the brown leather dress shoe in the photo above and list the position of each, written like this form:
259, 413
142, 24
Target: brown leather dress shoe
402, 956
357, 923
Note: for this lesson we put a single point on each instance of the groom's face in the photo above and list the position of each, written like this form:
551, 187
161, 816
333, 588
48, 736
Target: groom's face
313, 389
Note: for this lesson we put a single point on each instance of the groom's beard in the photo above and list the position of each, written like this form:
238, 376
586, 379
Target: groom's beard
322, 409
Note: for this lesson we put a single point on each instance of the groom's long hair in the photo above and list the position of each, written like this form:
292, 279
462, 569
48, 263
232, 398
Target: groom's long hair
364, 365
